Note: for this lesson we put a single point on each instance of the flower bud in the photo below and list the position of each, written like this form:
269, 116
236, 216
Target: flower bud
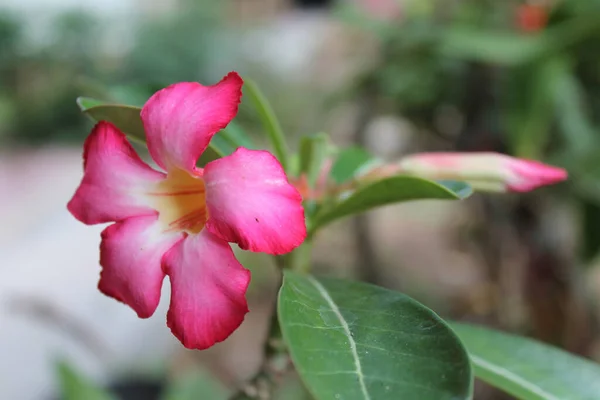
484, 171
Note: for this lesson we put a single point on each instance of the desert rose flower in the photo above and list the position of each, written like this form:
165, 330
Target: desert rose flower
178, 221
484, 171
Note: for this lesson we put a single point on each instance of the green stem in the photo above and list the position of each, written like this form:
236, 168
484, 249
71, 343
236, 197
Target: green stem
270, 121
275, 365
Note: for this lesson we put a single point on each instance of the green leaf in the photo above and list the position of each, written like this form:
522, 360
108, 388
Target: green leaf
356, 341
237, 137
528, 369
74, 386
348, 162
313, 151
128, 120
506, 48
388, 191
195, 384
269, 121
87, 102
577, 130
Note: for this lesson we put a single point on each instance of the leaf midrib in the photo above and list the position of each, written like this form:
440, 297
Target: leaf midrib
358, 367
503, 372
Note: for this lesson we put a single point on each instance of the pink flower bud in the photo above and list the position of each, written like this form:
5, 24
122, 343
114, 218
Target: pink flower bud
384, 10
484, 171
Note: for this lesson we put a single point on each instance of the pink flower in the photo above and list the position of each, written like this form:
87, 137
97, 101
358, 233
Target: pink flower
486, 171
179, 222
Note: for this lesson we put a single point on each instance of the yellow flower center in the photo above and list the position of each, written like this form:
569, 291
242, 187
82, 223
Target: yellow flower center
181, 202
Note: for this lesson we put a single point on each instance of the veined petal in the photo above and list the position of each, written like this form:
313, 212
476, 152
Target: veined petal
208, 288
130, 254
250, 202
181, 119
114, 180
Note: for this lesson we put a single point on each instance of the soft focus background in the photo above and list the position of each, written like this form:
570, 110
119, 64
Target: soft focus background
396, 76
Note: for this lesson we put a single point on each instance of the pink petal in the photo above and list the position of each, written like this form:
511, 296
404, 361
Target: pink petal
114, 180
208, 287
528, 175
250, 202
130, 254
181, 119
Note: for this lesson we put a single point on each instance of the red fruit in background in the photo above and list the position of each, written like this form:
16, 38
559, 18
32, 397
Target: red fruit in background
531, 18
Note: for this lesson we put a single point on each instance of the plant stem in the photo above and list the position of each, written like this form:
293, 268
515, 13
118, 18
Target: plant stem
275, 365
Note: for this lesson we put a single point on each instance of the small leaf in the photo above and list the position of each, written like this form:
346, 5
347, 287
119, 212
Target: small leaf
269, 121
528, 369
74, 386
87, 102
388, 191
355, 341
126, 118
348, 162
313, 151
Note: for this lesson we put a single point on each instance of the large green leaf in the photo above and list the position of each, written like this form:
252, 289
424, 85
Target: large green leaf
74, 386
388, 191
528, 369
356, 341
128, 120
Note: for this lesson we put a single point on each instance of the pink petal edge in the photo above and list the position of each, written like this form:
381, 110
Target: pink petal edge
251, 203
131, 253
114, 179
181, 119
208, 288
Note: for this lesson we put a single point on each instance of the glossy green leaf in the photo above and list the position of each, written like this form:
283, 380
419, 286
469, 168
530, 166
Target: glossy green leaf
528, 369
356, 341
388, 191
74, 386
269, 121
128, 120
348, 162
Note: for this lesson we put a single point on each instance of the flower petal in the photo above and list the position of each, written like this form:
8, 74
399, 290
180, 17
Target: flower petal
130, 254
250, 202
114, 179
208, 287
181, 119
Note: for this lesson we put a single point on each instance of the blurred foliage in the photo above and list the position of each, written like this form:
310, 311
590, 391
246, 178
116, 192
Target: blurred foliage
39, 80
514, 76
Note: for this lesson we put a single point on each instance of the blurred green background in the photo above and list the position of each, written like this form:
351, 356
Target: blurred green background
395, 76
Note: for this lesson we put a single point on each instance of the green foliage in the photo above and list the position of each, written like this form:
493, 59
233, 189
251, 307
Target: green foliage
269, 121
352, 340
389, 191
313, 152
527, 369
348, 163
74, 386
